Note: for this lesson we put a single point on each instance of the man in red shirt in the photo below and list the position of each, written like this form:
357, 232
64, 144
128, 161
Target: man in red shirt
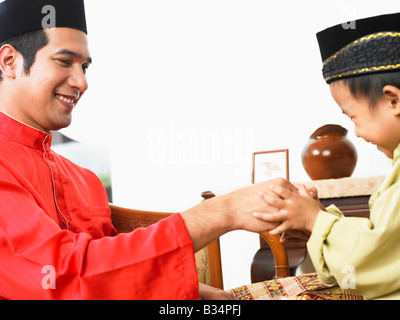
54, 215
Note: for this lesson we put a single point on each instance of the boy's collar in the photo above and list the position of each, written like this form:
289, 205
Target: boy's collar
396, 154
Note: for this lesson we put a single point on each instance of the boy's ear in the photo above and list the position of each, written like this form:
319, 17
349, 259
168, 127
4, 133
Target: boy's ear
391, 94
8, 61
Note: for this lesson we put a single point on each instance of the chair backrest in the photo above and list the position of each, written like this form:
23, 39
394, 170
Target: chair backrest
126, 220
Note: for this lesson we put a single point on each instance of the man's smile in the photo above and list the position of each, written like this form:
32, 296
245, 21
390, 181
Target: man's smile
67, 99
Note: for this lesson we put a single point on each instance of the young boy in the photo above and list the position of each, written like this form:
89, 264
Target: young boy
362, 68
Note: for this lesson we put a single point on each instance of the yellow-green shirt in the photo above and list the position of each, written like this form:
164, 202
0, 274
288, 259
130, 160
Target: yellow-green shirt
360, 253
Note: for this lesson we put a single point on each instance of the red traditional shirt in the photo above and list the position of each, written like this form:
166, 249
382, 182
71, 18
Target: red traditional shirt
56, 236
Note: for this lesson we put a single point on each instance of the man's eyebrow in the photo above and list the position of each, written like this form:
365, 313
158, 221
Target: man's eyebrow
73, 54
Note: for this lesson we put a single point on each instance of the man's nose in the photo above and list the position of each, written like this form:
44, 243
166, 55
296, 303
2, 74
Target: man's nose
78, 81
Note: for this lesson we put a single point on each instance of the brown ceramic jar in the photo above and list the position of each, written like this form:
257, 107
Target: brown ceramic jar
329, 154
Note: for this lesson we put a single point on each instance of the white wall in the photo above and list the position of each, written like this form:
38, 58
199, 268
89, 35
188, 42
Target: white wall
184, 91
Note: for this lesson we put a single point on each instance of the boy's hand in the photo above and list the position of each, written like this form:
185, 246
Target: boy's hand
312, 191
295, 210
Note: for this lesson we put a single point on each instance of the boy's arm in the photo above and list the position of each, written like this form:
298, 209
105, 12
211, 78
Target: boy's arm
357, 253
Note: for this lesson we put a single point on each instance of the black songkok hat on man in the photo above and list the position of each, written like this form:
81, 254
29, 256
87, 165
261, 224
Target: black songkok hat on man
21, 16
361, 47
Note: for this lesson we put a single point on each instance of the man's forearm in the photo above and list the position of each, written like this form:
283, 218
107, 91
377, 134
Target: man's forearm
207, 221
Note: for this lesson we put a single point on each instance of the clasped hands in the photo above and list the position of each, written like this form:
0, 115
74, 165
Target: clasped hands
285, 209
294, 209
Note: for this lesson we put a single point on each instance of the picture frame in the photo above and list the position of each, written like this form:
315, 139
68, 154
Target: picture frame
269, 165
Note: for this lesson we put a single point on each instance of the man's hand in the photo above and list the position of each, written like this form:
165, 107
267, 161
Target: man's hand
243, 202
233, 211
210, 293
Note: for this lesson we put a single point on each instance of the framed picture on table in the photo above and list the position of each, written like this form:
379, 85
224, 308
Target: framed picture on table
270, 164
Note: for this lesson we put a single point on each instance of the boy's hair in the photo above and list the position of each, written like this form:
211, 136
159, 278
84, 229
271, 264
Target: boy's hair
370, 86
27, 44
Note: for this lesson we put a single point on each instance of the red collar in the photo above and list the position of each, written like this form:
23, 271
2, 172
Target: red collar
21, 133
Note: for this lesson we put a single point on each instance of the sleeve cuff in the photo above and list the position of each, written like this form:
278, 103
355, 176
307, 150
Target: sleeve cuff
316, 243
188, 258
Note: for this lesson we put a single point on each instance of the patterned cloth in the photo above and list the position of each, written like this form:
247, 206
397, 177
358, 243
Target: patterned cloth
303, 287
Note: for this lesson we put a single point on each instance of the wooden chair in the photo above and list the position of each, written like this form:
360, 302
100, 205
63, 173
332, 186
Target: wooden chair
208, 260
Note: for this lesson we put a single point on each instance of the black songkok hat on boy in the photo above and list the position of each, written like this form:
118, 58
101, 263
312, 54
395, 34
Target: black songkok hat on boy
360, 47
21, 16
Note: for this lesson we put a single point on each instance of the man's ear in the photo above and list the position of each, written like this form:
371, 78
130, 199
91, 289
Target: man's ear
391, 95
8, 61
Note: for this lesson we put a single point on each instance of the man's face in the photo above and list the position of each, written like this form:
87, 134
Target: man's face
55, 83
